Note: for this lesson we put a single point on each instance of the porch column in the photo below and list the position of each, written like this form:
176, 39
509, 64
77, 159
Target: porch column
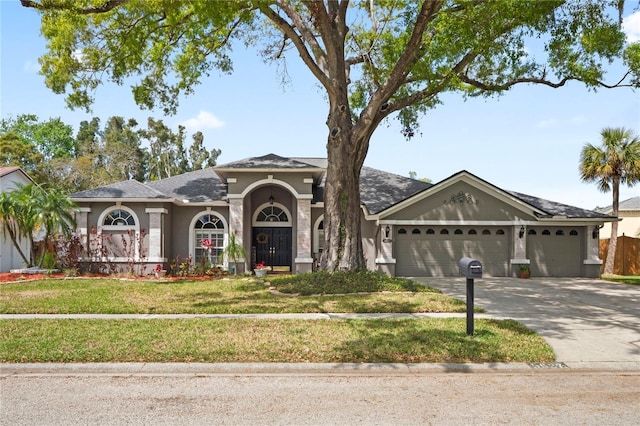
82, 226
519, 248
156, 235
236, 216
303, 261
592, 262
385, 260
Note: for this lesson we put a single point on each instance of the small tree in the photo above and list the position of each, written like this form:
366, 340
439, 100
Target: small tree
616, 161
234, 252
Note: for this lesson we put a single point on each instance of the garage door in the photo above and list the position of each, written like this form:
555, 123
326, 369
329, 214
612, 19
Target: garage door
555, 251
435, 251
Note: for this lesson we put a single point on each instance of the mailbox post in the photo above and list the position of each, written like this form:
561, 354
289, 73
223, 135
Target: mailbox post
470, 269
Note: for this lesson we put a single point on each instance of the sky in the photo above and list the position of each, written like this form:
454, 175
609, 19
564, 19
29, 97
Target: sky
528, 140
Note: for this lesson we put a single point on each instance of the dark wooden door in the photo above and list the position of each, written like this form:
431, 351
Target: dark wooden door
273, 246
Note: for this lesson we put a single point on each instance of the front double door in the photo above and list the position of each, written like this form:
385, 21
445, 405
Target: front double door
273, 247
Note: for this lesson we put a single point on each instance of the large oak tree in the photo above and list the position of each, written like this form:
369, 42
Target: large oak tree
374, 59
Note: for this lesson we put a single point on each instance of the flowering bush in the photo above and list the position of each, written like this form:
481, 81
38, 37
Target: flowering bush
260, 265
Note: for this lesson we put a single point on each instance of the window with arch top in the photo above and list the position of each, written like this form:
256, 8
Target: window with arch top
209, 233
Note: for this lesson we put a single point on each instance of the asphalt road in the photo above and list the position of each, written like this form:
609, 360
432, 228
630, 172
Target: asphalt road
343, 397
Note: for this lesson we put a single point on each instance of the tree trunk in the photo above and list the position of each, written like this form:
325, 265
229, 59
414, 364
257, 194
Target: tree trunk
613, 240
342, 210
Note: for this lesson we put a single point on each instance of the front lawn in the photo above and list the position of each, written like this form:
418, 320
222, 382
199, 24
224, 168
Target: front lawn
250, 340
625, 279
227, 296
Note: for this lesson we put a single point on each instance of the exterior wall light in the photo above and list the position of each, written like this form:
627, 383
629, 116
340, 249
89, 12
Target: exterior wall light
521, 233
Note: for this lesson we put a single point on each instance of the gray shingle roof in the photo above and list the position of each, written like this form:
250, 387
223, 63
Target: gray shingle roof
557, 209
199, 186
379, 190
124, 189
630, 204
269, 161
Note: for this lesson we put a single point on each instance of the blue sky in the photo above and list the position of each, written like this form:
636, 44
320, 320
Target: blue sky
528, 140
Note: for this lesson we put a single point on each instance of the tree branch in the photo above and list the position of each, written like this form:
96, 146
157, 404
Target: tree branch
108, 5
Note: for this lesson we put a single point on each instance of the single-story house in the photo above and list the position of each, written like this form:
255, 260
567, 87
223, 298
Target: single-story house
274, 206
10, 259
629, 215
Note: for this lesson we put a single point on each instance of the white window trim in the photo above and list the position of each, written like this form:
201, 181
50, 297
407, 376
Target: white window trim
192, 232
102, 229
287, 224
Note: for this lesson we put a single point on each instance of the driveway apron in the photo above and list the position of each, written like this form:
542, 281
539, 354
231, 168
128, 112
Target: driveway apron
584, 320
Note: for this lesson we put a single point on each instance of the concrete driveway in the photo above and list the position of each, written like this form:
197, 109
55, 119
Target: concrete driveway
584, 320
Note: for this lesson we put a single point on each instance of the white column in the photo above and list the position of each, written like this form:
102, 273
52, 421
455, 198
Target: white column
520, 246
156, 237
385, 260
304, 261
236, 221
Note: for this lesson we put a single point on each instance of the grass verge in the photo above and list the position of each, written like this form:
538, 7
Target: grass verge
625, 279
228, 296
206, 340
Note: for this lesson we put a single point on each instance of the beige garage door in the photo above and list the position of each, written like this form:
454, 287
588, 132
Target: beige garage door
555, 251
435, 251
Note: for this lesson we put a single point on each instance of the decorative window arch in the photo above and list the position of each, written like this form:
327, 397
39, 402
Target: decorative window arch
458, 231
444, 231
415, 231
118, 217
500, 232
532, 232
402, 231
472, 232
546, 232
208, 236
486, 232
275, 215
573, 232
430, 231
559, 232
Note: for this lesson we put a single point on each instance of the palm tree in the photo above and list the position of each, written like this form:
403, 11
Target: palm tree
30, 208
234, 251
55, 214
9, 211
615, 162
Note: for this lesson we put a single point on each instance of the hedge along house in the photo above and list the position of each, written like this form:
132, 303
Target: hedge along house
274, 205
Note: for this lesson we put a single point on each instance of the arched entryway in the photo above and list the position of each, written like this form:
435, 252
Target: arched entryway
272, 236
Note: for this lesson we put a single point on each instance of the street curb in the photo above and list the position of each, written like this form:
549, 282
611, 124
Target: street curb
325, 369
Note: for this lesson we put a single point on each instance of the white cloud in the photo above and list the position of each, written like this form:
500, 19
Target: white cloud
631, 27
204, 120
31, 67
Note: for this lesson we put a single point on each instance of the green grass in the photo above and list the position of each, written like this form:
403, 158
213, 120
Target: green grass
217, 340
228, 296
249, 340
628, 279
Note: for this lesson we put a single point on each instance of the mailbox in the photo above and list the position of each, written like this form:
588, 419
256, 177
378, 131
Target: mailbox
470, 268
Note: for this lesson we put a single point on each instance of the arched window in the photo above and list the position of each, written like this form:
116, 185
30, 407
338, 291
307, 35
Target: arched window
402, 231
444, 231
430, 231
415, 231
546, 232
119, 217
472, 232
500, 232
559, 232
486, 232
573, 232
532, 232
119, 234
318, 236
272, 214
209, 232
458, 232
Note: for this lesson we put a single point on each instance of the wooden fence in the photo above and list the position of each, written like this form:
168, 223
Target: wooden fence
627, 255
